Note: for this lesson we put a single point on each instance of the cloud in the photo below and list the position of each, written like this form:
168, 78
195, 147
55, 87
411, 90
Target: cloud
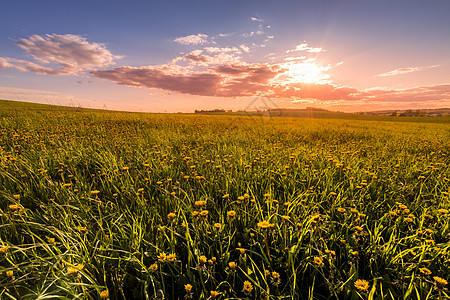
304, 47
222, 50
192, 39
400, 71
256, 19
66, 54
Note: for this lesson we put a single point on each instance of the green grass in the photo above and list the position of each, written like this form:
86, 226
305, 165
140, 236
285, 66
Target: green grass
85, 198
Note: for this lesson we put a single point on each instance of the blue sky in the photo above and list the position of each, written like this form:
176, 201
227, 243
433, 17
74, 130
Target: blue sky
168, 56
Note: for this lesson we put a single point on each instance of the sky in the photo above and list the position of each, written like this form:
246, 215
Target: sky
179, 56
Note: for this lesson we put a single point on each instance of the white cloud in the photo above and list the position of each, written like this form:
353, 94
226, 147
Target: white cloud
65, 54
256, 19
244, 48
222, 50
192, 39
304, 47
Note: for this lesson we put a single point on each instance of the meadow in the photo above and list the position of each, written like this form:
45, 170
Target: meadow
111, 205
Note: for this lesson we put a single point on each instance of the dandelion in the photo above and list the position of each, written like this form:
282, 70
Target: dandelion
440, 281
17, 197
217, 225
74, 269
443, 211
203, 259
153, 268
214, 294
425, 271
341, 210
204, 213
393, 213
265, 224
248, 287
162, 257
241, 250
171, 257
188, 288
231, 213
358, 228
104, 294
200, 203
95, 192
13, 207
354, 253
362, 285
318, 261
232, 265
275, 275
4, 249
171, 215
408, 220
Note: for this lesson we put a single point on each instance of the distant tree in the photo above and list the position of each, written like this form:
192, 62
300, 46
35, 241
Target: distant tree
394, 113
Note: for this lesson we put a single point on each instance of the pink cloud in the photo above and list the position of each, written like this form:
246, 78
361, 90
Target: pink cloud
305, 47
193, 39
66, 54
400, 71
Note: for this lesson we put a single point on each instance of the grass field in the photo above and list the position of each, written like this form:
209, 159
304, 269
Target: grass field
98, 205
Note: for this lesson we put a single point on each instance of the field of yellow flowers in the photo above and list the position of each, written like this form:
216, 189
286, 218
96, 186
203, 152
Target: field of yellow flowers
108, 205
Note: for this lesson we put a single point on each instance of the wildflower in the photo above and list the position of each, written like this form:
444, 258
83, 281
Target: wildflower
10, 273
74, 269
265, 224
104, 294
318, 261
162, 257
408, 220
358, 228
188, 288
275, 275
241, 250
203, 259
226, 196
266, 195
214, 294
402, 206
153, 268
171, 257
13, 206
393, 213
171, 215
248, 287
440, 281
231, 213
343, 241
341, 210
353, 210
51, 240
362, 285
204, 213
267, 272
425, 271
4, 249
217, 225
200, 203
95, 192
194, 213
17, 197
355, 253
232, 265
443, 211
333, 194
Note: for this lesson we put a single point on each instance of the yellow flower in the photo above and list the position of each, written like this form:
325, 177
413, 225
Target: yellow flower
162, 256
362, 285
341, 210
217, 225
200, 203
188, 288
4, 249
358, 228
153, 268
265, 224
355, 253
425, 271
95, 192
353, 210
232, 265
10, 273
318, 261
393, 213
267, 272
194, 213
275, 275
203, 259
171, 215
440, 281
408, 220
13, 206
241, 250
248, 287
104, 294
74, 269
231, 213
16, 197
214, 294
443, 211
171, 257
204, 213
402, 206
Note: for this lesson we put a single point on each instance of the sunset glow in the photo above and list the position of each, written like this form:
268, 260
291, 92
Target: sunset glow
338, 56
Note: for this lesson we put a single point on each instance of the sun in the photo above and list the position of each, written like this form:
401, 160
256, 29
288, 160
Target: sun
306, 72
